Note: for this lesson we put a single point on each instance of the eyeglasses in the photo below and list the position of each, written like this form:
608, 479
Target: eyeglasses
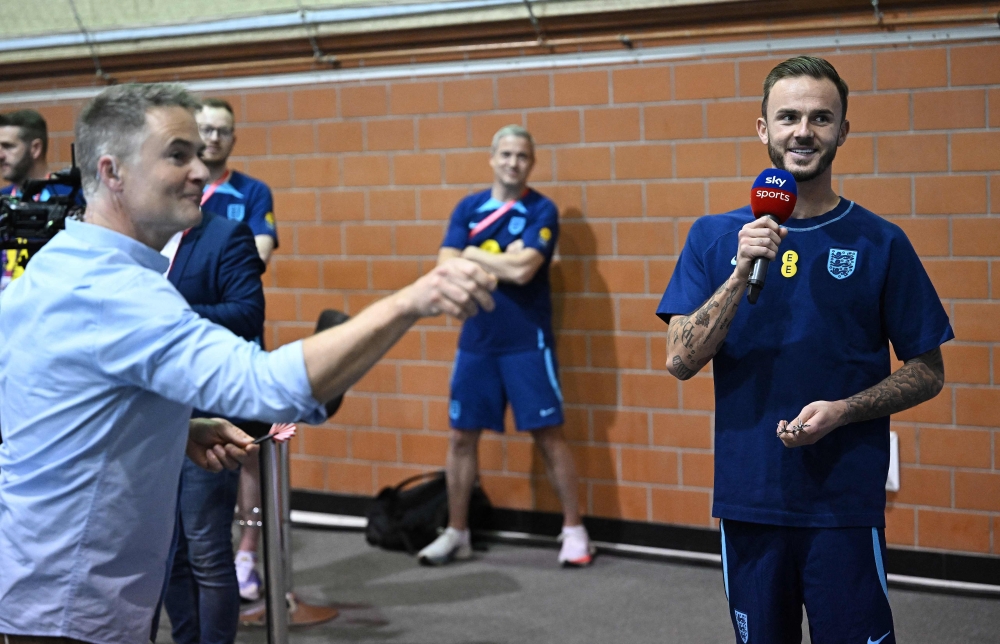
206, 131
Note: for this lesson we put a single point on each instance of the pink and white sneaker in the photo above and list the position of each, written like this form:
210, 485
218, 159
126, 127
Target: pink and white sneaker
577, 551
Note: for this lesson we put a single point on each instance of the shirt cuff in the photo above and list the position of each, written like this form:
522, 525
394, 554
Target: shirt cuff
290, 363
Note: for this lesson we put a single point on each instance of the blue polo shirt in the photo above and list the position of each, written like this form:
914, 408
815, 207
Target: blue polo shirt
243, 198
522, 319
845, 284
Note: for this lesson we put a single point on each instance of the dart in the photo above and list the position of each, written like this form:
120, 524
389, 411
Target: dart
280, 432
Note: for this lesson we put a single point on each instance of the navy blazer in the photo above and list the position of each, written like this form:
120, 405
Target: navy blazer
217, 270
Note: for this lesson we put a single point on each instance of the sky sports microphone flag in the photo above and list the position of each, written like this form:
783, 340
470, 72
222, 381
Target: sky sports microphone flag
773, 195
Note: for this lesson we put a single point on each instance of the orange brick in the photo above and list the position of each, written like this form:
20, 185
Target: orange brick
953, 530
392, 134
267, 106
689, 507
752, 74
684, 199
754, 158
318, 240
484, 126
955, 447
543, 169
401, 413
928, 236
643, 162
467, 167
280, 306
659, 277
424, 449
723, 196
408, 347
879, 112
587, 313
393, 475
964, 363
591, 388
733, 118
554, 127
418, 240
295, 206
649, 390
913, 153
912, 68
366, 100
58, 118
995, 193
520, 456
506, 491
414, 98
899, 526
348, 205
585, 239
646, 238
857, 156
884, 196
392, 204
959, 279
276, 173
437, 203
568, 276
571, 350
368, 240
621, 426
309, 104
949, 110
288, 333
595, 462
251, 141
394, 274
935, 410
617, 351
365, 170
491, 454
292, 139
370, 445
977, 65
649, 466
673, 122
614, 200
340, 137
627, 502
425, 379
440, 345
568, 198
306, 473
515, 92
583, 164
641, 84
976, 151
924, 486
443, 132
856, 69
581, 88
315, 172
350, 478
978, 407
611, 124
698, 393
704, 80
682, 430
977, 491
616, 276
994, 101
416, 169
638, 314
706, 160
324, 441
698, 469
467, 95
312, 304
296, 273
957, 195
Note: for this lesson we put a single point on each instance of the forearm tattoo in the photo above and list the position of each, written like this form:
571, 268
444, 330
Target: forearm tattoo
917, 381
696, 338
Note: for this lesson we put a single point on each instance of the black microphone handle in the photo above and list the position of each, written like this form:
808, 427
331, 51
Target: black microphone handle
755, 284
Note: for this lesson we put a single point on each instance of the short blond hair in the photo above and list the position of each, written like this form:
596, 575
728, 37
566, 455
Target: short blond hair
512, 130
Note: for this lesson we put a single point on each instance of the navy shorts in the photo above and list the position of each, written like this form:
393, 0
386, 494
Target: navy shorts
482, 384
771, 571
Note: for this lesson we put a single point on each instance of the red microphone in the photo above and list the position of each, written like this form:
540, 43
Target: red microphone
773, 195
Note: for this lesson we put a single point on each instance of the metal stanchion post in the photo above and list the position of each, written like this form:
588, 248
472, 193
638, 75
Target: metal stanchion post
274, 549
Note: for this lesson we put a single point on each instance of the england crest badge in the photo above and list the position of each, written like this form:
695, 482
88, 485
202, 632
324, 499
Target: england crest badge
741, 623
236, 211
516, 225
841, 262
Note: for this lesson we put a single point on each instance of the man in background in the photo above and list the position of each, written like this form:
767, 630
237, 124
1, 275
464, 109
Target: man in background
239, 197
507, 355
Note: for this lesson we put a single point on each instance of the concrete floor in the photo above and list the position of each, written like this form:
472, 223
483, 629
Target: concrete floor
518, 594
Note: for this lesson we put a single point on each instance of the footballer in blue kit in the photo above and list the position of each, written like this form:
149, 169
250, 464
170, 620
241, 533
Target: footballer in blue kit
803, 380
507, 355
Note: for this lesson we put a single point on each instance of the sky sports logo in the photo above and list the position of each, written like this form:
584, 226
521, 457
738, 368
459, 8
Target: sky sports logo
764, 193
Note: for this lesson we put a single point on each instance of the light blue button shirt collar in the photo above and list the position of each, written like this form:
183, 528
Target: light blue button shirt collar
102, 237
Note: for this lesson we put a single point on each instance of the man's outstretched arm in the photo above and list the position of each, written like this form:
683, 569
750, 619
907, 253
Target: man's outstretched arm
693, 340
917, 381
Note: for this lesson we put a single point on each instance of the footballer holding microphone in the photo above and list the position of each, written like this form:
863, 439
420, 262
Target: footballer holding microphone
803, 382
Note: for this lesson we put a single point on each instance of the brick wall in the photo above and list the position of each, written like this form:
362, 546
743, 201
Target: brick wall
365, 176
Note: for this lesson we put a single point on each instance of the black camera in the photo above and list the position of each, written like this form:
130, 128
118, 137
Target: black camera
28, 224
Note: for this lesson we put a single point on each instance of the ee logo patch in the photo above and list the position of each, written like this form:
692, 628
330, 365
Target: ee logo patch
788, 263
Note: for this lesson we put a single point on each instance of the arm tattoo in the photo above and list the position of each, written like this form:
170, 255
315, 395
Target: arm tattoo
693, 332
917, 381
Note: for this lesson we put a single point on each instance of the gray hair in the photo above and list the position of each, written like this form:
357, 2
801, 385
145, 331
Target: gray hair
512, 130
115, 120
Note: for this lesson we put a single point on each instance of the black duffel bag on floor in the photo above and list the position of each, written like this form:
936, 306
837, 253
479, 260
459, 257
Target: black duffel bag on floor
412, 514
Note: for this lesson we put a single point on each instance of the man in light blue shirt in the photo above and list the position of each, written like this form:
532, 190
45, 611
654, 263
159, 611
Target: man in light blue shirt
102, 361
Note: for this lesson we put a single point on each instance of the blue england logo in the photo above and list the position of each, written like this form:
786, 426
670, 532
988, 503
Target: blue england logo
741, 623
236, 211
516, 225
842, 262
454, 410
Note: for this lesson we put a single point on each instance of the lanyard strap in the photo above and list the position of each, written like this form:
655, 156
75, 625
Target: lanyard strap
213, 187
497, 214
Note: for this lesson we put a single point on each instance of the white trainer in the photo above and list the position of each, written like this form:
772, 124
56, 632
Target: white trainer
577, 551
246, 575
450, 545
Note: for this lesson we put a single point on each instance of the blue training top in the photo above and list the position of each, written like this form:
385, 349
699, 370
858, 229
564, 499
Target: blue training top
243, 198
844, 285
522, 319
